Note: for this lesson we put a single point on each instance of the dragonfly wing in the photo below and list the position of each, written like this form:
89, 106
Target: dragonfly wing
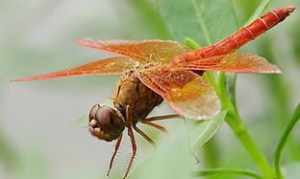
233, 62
144, 51
109, 66
187, 93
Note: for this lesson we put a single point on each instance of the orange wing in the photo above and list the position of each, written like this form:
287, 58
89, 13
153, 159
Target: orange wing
187, 93
143, 51
233, 62
109, 66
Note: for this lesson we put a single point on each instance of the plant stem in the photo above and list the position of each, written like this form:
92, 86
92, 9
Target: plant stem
235, 122
238, 127
228, 171
283, 140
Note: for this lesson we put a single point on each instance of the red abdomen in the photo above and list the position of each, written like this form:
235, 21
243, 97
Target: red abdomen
241, 37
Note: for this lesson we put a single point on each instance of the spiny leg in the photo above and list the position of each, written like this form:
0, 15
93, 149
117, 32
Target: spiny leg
143, 134
114, 154
132, 139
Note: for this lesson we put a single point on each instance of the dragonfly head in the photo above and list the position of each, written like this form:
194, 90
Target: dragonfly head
105, 123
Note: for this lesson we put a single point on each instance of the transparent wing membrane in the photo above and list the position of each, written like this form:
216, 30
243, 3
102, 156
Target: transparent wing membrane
109, 66
233, 62
142, 51
187, 93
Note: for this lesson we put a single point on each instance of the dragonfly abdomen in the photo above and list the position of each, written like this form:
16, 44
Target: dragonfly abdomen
242, 36
253, 30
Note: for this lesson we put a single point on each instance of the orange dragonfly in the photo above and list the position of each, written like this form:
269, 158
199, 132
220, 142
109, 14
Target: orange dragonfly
156, 70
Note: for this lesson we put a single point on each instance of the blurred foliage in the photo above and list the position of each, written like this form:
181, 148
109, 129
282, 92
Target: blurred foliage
31, 165
197, 19
200, 132
8, 155
172, 159
295, 36
205, 21
244, 9
276, 84
208, 15
282, 142
151, 18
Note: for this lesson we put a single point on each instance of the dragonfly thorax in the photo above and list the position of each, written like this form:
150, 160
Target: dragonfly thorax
132, 92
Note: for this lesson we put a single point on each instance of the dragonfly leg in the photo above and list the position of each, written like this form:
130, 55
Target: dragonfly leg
145, 136
114, 154
163, 117
132, 139
149, 122
157, 126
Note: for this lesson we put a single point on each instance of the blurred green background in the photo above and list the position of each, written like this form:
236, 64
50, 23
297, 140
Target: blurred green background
39, 134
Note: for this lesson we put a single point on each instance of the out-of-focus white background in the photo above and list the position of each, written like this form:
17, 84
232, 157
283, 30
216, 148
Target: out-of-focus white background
39, 119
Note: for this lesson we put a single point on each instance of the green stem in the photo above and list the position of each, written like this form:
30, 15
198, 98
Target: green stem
228, 171
234, 120
238, 127
283, 140
190, 43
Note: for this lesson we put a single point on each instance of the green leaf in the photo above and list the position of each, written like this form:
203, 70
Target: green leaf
247, 11
259, 10
200, 132
205, 21
171, 158
151, 17
244, 9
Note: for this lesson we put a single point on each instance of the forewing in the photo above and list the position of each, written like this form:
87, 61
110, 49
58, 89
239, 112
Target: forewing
144, 51
233, 62
109, 66
187, 93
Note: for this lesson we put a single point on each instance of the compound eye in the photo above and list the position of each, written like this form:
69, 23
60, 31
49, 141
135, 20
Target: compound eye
104, 115
105, 123
93, 111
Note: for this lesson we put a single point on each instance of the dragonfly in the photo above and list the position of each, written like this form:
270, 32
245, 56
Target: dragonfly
152, 71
